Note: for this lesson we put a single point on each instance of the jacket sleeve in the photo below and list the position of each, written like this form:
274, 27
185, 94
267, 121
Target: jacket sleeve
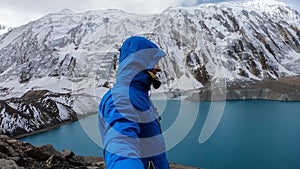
120, 138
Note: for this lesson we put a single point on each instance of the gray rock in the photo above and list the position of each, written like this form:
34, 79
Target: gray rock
3, 137
68, 154
8, 164
4, 147
49, 162
12, 141
11, 152
43, 153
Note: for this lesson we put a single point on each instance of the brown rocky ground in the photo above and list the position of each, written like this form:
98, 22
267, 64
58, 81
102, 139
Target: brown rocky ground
15, 154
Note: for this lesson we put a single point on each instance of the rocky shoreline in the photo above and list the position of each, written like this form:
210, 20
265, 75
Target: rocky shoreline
15, 154
284, 89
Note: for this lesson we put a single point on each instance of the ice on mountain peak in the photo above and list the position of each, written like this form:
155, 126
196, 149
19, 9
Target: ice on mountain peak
4, 29
66, 11
269, 2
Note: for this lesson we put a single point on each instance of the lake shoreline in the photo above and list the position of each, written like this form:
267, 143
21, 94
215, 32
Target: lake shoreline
194, 98
283, 89
19, 136
243, 94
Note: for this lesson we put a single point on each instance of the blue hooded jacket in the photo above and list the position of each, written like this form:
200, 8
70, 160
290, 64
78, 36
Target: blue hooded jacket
128, 121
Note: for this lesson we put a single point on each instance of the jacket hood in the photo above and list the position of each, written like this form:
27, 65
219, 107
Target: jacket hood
137, 54
134, 44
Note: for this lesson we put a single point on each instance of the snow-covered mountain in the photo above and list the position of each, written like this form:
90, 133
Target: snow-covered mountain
71, 53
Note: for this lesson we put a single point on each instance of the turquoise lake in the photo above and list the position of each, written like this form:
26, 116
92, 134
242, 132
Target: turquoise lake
251, 134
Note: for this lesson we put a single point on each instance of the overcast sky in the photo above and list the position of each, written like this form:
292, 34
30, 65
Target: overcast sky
19, 12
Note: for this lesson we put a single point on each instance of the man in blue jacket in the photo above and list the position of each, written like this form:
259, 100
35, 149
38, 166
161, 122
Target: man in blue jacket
128, 121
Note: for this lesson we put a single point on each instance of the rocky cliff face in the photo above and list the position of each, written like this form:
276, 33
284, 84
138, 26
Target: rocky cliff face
39, 110
228, 46
36, 110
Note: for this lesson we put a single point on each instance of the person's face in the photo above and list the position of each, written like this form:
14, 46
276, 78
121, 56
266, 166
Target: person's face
156, 69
